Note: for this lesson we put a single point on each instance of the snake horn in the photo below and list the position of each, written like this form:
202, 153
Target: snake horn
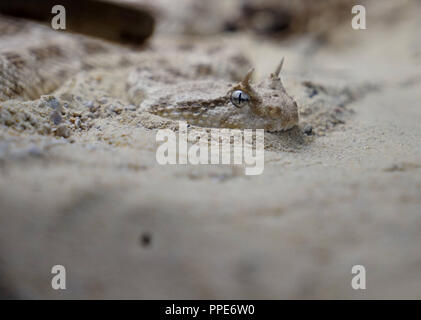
248, 77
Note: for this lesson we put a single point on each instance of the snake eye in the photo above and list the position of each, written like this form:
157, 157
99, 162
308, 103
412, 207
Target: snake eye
240, 98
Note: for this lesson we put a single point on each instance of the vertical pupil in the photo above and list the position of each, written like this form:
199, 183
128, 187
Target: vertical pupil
238, 98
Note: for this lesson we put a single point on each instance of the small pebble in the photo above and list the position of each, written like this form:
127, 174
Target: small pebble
54, 103
308, 129
131, 107
41, 104
77, 123
89, 105
103, 100
63, 131
5, 116
45, 129
116, 109
56, 117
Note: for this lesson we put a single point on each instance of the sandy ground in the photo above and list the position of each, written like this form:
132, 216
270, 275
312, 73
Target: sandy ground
98, 203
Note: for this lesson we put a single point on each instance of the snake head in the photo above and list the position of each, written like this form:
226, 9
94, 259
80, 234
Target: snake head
267, 105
